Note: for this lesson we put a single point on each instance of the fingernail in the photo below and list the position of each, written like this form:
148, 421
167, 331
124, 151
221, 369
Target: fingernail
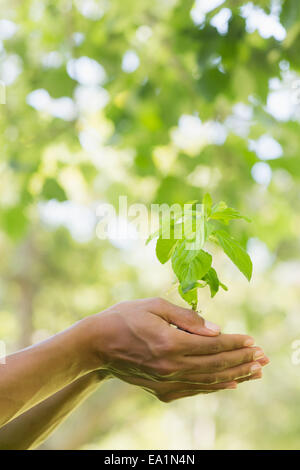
249, 342
265, 360
259, 354
212, 326
255, 368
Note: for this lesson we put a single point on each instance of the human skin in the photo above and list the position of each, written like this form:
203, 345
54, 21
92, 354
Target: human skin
134, 341
32, 428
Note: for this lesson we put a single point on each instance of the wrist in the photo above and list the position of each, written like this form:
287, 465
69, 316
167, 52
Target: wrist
92, 345
83, 335
102, 333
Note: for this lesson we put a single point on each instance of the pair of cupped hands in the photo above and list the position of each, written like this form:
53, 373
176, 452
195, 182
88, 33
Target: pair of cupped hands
171, 351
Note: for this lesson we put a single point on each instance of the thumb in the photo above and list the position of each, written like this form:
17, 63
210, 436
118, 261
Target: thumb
183, 318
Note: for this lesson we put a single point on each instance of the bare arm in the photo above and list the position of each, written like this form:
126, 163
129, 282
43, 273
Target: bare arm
32, 375
134, 342
32, 428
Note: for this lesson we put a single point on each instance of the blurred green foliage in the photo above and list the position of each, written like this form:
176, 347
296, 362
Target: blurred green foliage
132, 127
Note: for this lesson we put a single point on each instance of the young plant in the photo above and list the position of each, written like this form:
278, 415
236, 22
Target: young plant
182, 238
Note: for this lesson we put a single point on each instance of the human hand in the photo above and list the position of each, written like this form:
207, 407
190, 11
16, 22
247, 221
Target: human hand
170, 391
135, 342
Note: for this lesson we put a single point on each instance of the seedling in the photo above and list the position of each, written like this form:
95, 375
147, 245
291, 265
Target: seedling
182, 237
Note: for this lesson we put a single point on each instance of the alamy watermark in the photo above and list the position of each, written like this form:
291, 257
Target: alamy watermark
2, 93
135, 221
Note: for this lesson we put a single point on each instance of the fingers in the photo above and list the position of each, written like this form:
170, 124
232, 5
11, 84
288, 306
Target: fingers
169, 391
264, 361
181, 388
193, 345
239, 372
225, 360
228, 375
256, 376
196, 390
163, 387
256, 372
183, 318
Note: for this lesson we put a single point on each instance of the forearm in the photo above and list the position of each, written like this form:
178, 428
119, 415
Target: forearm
32, 375
30, 429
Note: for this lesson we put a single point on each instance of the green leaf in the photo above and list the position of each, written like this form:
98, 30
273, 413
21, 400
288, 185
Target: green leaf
212, 280
190, 296
190, 265
219, 207
189, 287
192, 204
152, 236
165, 248
194, 231
235, 252
225, 214
168, 228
